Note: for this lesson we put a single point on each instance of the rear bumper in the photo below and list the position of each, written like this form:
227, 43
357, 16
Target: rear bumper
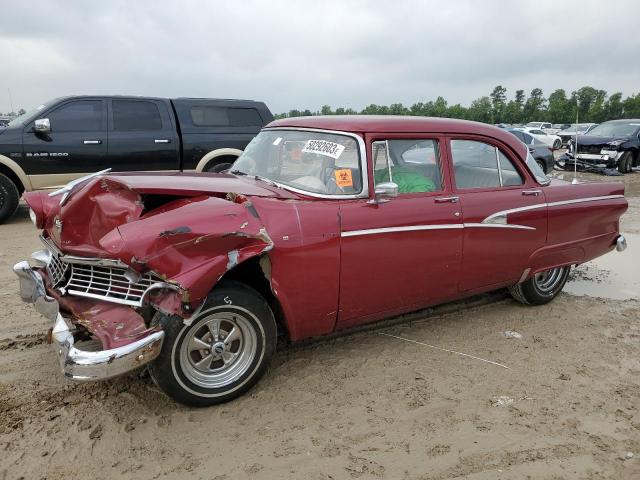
77, 364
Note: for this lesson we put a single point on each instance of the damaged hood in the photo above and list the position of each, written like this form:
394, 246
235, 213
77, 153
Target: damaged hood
191, 184
187, 228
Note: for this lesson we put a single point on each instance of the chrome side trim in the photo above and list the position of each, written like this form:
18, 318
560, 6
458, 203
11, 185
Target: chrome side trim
496, 217
406, 228
363, 164
413, 228
582, 200
498, 225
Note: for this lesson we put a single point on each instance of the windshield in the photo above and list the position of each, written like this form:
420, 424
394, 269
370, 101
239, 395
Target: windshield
615, 130
537, 171
309, 161
30, 115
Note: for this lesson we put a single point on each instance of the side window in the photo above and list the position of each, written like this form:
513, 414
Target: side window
414, 165
480, 165
204, 116
244, 117
77, 116
520, 135
135, 115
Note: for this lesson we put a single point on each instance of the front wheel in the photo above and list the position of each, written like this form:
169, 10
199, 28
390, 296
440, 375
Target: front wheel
223, 353
9, 197
625, 165
557, 144
542, 287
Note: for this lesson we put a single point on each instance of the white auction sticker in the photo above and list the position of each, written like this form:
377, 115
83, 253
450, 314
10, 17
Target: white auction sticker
323, 147
277, 141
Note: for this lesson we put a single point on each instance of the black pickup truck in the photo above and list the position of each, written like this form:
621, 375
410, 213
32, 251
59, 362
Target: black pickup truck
69, 137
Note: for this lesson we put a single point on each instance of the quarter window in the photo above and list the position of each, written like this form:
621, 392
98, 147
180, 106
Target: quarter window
414, 165
209, 116
135, 115
77, 116
480, 165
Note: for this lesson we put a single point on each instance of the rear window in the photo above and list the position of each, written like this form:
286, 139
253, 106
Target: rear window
135, 115
210, 116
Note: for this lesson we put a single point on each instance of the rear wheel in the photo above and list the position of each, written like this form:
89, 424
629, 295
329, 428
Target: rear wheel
542, 287
224, 351
557, 144
9, 197
219, 167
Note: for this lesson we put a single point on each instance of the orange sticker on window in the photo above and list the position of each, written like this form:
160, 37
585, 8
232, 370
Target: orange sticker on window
344, 178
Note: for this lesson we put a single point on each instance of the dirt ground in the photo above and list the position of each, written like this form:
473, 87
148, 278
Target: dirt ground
366, 405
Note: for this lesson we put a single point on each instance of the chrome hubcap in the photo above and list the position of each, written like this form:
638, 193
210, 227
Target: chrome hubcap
547, 281
218, 349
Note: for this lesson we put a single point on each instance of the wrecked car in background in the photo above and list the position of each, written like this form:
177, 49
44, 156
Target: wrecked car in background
322, 224
610, 145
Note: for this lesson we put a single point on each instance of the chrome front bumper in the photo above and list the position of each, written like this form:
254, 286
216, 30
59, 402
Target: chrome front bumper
76, 364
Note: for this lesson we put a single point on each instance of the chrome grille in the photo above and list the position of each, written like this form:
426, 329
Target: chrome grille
56, 269
108, 283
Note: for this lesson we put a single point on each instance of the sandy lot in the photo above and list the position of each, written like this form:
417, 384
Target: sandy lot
364, 405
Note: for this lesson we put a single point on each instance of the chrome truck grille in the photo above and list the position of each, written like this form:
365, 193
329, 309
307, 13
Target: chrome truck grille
102, 279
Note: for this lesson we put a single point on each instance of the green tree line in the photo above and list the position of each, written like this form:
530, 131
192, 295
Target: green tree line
592, 105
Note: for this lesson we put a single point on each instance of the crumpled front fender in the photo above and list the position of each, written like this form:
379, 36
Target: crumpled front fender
191, 243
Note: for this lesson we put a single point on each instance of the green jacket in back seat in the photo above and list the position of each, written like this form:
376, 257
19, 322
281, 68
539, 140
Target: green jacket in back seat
408, 180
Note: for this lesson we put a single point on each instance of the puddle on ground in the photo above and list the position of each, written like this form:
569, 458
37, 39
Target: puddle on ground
615, 275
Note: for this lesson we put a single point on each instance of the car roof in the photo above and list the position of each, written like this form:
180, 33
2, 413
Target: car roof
399, 124
624, 121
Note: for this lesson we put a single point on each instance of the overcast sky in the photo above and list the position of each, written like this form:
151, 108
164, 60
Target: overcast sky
304, 54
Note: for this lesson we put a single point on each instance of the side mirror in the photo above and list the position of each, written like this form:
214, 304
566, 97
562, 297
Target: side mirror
42, 125
384, 192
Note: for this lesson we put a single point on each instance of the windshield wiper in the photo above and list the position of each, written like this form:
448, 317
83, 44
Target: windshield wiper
266, 180
237, 172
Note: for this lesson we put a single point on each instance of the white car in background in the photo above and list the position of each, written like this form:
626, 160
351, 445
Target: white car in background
552, 141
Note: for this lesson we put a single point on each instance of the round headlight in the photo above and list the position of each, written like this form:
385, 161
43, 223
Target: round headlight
32, 216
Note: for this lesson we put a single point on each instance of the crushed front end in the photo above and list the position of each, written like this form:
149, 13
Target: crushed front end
93, 299
117, 259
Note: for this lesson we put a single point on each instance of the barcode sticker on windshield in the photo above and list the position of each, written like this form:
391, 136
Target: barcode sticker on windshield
323, 147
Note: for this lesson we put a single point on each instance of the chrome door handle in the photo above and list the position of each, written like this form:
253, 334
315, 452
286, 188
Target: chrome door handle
162, 140
531, 193
92, 142
452, 199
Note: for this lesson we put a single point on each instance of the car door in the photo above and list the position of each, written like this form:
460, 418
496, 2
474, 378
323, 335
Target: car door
75, 146
142, 136
404, 253
503, 209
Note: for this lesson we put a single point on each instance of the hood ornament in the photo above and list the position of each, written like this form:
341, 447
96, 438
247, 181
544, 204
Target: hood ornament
66, 190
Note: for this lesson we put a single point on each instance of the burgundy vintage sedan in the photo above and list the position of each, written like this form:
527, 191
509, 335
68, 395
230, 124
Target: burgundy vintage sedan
324, 223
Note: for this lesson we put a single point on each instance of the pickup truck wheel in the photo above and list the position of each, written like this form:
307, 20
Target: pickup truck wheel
625, 165
9, 197
542, 166
542, 287
224, 351
557, 144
